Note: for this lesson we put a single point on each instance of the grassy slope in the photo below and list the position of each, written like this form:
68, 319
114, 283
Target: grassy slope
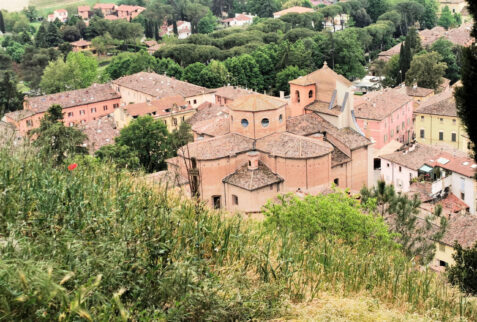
45, 6
109, 241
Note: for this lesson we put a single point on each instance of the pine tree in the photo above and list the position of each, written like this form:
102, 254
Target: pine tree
40, 37
2, 23
53, 36
465, 94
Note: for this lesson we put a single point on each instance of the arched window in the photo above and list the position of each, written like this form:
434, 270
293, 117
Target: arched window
336, 182
310, 94
297, 94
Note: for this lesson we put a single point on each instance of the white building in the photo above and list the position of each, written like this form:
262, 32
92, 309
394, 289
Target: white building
433, 172
184, 29
61, 14
239, 20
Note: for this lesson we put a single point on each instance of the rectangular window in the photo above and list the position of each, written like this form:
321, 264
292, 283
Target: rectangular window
453, 121
422, 118
421, 133
115, 105
105, 107
234, 200
70, 114
174, 121
441, 136
454, 137
71, 124
82, 112
195, 101
93, 110
441, 120
400, 169
29, 123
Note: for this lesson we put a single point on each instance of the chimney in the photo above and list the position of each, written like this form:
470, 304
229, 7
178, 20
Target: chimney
282, 94
253, 157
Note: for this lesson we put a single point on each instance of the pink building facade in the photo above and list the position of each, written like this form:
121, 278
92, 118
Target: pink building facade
384, 116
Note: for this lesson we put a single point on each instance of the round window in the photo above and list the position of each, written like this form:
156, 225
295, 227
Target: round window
244, 122
265, 122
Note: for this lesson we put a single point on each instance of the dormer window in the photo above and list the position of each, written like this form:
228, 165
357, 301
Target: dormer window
167, 110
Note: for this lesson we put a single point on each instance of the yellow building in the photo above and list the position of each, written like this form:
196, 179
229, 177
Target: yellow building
437, 123
455, 6
172, 110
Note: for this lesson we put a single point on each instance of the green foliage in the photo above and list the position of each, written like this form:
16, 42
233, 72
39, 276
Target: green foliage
34, 62
2, 23
335, 214
148, 140
426, 70
429, 17
120, 155
207, 24
10, 98
286, 75
464, 272
449, 54
244, 71
79, 71
214, 75
192, 73
262, 8
53, 36
392, 72
97, 243
446, 19
376, 8
55, 141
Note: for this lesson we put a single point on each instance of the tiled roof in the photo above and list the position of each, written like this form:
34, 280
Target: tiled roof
93, 94
19, 115
216, 126
326, 79
295, 9
293, 146
377, 105
459, 164
311, 123
440, 104
242, 17
84, 8
252, 179
412, 159
104, 6
256, 102
323, 107
232, 92
159, 85
338, 157
217, 147
81, 43
158, 107
207, 111
453, 204
100, 132
418, 91
461, 229
129, 8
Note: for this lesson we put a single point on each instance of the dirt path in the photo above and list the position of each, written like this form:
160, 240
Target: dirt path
13, 5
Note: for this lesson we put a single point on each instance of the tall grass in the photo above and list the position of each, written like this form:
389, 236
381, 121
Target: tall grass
95, 243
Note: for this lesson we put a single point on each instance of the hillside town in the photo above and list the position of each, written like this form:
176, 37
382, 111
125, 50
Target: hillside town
248, 106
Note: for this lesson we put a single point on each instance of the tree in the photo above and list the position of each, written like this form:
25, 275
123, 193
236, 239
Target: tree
40, 37
10, 98
70, 33
376, 8
31, 13
429, 17
2, 23
121, 155
409, 48
180, 137
55, 141
464, 272
127, 31
417, 236
192, 73
411, 12
214, 75
244, 71
392, 72
167, 66
426, 70
286, 75
34, 62
148, 138
262, 8
79, 71
53, 35
446, 19
103, 44
449, 54
361, 18
207, 24
465, 94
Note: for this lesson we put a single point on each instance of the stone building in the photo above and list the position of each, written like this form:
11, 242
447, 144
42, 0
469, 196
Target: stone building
260, 146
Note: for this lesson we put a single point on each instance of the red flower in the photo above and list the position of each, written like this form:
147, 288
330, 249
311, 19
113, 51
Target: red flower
72, 166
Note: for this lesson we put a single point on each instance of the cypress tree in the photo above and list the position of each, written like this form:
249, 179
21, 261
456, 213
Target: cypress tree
465, 94
2, 23
40, 37
53, 35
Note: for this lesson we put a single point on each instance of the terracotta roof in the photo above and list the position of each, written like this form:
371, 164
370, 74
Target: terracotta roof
232, 92
338, 157
459, 164
129, 8
84, 8
453, 204
418, 91
242, 17
100, 132
252, 179
150, 43
412, 159
295, 9
20, 114
160, 107
323, 107
216, 126
207, 111
217, 147
93, 94
256, 102
61, 10
81, 43
440, 104
461, 229
377, 105
309, 124
159, 85
288, 145
169, 178
326, 79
